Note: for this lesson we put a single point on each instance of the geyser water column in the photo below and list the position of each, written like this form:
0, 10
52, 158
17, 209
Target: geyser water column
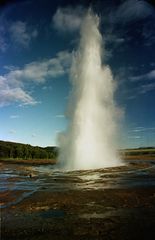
89, 141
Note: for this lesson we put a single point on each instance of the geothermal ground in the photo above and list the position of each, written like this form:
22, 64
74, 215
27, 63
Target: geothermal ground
41, 203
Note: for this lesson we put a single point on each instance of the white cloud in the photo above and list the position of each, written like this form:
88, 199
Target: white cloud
15, 33
150, 75
144, 84
21, 33
12, 84
141, 129
10, 95
112, 38
146, 88
14, 116
57, 131
68, 19
60, 116
142, 89
132, 10
134, 137
38, 71
3, 44
152, 64
148, 33
13, 92
3, 29
45, 88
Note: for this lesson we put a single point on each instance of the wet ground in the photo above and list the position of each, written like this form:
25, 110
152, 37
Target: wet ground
39, 202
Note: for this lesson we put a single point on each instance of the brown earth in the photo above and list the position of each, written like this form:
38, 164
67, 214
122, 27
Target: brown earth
29, 162
85, 209
139, 157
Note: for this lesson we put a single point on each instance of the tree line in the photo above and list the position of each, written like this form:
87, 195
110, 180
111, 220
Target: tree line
12, 150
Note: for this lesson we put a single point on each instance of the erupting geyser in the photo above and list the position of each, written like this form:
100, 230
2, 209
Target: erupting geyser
89, 141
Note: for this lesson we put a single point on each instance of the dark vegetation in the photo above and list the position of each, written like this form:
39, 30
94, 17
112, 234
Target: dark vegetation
19, 151
139, 151
25, 153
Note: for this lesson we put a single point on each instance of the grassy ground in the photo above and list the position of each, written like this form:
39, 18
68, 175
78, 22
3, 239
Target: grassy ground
138, 154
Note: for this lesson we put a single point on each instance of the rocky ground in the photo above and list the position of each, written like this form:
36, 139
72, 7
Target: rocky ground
42, 203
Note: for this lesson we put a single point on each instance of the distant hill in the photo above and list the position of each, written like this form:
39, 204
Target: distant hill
13, 150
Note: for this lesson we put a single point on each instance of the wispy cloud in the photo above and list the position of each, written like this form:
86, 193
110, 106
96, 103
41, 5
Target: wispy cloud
139, 133
12, 131
132, 10
150, 75
3, 30
3, 44
68, 19
14, 116
149, 33
34, 135
119, 22
12, 84
21, 33
152, 64
17, 95
57, 131
60, 116
141, 129
13, 92
146, 88
140, 90
134, 137
15, 33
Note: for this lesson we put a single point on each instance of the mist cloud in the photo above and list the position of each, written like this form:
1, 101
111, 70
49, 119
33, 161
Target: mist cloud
68, 19
21, 34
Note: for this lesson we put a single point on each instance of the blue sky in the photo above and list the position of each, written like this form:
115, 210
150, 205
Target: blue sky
36, 45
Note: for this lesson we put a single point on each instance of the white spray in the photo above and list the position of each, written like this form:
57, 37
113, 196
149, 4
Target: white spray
89, 141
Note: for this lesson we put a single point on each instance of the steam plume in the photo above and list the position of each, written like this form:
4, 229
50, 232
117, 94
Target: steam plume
89, 141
